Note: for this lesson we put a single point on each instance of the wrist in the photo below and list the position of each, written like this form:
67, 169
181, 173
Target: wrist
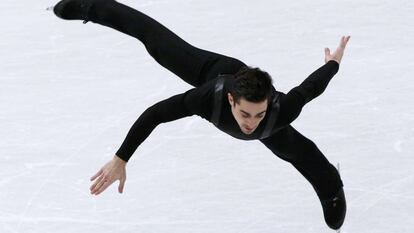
118, 160
335, 62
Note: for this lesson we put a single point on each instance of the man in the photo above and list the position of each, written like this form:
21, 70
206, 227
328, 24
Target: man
237, 99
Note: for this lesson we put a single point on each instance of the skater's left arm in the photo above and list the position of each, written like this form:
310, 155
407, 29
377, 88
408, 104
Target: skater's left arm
313, 86
170, 109
173, 108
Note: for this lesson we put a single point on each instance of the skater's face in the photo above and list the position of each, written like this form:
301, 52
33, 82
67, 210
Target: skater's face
247, 114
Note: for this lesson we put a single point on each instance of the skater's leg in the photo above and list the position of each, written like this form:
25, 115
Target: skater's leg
303, 154
193, 65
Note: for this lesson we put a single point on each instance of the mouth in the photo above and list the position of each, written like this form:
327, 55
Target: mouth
248, 129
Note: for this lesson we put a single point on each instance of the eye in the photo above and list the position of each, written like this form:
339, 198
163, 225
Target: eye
260, 116
245, 115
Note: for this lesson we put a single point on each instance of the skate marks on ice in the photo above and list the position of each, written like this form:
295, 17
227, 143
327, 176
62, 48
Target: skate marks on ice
24, 217
372, 198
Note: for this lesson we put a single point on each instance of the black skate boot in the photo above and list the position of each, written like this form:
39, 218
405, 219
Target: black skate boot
75, 9
334, 210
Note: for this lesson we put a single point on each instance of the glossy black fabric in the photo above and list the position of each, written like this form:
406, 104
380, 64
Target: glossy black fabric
200, 68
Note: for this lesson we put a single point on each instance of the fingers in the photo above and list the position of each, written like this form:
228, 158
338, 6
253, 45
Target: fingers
121, 186
346, 38
105, 184
344, 41
97, 174
93, 186
101, 184
108, 174
327, 51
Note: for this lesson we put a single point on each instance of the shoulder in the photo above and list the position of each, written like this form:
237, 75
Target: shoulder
201, 93
199, 100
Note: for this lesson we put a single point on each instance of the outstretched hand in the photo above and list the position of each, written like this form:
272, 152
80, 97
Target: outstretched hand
339, 52
112, 171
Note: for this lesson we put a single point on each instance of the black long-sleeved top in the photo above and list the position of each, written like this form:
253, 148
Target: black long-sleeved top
200, 101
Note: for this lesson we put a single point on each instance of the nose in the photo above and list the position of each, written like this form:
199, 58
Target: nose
250, 123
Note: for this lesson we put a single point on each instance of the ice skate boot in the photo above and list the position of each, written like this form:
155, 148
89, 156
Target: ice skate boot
75, 9
334, 210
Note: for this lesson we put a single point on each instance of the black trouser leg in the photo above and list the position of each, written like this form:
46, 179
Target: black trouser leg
195, 66
303, 154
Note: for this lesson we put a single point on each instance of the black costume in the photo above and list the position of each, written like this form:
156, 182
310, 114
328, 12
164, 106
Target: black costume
202, 69
211, 74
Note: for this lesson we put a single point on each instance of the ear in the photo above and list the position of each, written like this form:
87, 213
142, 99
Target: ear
230, 98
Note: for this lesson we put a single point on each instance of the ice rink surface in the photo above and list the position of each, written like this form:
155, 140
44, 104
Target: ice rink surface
70, 92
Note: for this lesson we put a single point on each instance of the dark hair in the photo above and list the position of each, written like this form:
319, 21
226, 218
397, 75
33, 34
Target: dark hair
252, 84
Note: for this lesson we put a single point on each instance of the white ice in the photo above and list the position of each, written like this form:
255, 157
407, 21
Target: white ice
70, 92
